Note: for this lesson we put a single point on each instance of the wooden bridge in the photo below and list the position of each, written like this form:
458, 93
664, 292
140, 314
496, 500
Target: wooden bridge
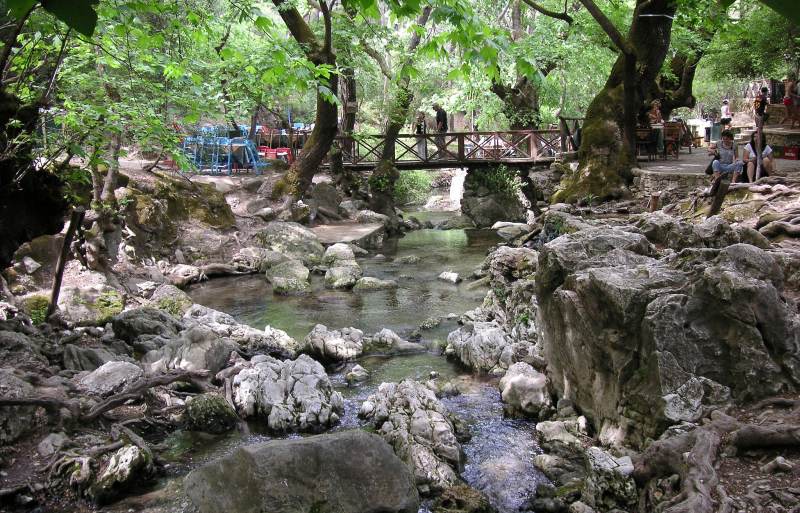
458, 149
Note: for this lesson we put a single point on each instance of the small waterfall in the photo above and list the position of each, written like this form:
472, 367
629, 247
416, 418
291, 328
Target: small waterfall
457, 188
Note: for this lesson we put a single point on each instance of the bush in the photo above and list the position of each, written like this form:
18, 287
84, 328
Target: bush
412, 187
36, 307
497, 180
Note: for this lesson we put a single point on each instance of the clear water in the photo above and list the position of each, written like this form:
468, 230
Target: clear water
501, 451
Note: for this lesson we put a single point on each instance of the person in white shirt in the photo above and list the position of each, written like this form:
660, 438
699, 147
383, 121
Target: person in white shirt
725, 115
767, 159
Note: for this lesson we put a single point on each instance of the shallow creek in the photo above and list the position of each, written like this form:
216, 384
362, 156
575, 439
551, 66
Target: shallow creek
501, 451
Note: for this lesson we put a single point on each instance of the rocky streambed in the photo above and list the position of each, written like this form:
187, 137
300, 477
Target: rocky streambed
586, 365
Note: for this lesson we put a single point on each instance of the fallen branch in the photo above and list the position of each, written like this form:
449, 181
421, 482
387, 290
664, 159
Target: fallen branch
756, 437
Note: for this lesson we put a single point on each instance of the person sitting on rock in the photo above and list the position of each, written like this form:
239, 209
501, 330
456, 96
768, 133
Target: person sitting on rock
749, 156
728, 158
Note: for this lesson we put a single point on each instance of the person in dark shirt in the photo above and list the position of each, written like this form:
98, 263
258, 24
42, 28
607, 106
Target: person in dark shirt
760, 104
441, 128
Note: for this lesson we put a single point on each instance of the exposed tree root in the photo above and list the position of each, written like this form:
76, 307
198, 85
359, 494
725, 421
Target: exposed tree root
692, 456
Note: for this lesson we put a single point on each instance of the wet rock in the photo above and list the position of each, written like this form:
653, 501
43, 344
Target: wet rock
196, 348
210, 413
350, 208
510, 231
146, 328
487, 206
368, 216
420, 429
356, 375
128, 467
479, 346
110, 378
368, 283
182, 275
292, 240
171, 299
450, 277
89, 305
253, 259
289, 277
343, 276
271, 341
461, 499
290, 476
459, 222
337, 254
608, 483
408, 260
15, 421
555, 435
580, 507
290, 395
524, 392
388, 342
334, 345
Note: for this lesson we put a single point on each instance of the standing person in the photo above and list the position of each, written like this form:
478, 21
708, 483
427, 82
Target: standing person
761, 117
420, 129
728, 161
791, 99
725, 115
441, 128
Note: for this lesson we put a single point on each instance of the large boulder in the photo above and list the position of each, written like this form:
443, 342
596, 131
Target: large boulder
146, 328
334, 345
420, 429
485, 202
713, 232
126, 468
350, 471
271, 341
21, 352
639, 342
109, 378
289, 277
387, 341
293, 240
90, 305
290, 395
524, 392
196, 348
171, 299
87, 358
343, 276
369, 283
485, 346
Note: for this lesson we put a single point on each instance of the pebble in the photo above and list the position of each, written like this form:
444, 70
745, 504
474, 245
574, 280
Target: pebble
779, 464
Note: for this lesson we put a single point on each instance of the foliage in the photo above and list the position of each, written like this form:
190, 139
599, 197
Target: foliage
412, 187
36, 307
500, 180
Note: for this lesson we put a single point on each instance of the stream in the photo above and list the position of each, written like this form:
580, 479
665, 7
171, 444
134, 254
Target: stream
501, 451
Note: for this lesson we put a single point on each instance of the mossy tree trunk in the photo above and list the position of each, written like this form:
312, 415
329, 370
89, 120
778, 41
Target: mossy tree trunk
608, 141
319, 142
383, 179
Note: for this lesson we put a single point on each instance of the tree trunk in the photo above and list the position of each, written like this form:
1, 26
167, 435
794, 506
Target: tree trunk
607, 150
383, 179
520, 103
302, 171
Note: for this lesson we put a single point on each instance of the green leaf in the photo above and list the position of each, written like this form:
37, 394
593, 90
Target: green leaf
77, 14
264, 23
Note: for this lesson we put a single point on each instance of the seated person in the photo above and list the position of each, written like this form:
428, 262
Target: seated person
749, 156
655, 113
729, 161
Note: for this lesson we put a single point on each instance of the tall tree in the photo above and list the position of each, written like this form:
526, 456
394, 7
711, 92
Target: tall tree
320, 53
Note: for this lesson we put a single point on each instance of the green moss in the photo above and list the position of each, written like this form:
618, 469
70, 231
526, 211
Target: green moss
109, 304
36, 307
174, 306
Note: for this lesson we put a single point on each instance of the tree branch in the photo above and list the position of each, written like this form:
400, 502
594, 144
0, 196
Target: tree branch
378, 58
300, 30
563, 16
609, 27
12, 39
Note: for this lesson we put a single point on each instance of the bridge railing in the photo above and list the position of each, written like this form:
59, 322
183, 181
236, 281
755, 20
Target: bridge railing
512, 146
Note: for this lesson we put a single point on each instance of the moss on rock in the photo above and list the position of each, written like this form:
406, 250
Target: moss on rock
210, 413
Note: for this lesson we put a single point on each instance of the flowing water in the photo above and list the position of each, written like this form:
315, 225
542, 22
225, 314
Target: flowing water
501, 451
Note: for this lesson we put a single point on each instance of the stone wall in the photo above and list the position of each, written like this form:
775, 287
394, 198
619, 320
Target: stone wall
672, 186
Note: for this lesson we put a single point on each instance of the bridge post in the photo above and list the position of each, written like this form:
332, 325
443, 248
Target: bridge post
461, 154
564, 133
